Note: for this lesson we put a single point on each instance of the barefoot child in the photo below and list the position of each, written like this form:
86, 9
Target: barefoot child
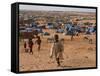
57, 50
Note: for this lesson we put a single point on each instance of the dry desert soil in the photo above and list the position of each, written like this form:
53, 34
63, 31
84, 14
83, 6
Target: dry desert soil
78, 53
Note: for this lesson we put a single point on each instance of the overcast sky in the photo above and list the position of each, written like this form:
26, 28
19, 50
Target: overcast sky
52, 8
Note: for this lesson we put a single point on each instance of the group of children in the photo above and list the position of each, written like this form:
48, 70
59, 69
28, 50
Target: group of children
28, 45
56, 49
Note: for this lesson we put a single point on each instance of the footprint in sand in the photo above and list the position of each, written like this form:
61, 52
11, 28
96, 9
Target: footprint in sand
86, 57
90, 48
51, 62
65, 66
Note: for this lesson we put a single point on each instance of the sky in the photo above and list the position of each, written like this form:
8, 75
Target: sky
52, 8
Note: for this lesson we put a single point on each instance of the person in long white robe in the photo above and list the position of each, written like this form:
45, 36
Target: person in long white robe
57, 50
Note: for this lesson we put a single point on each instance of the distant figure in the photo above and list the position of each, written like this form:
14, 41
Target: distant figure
38, 41
72, 32
25, 47
57, 50
30, 45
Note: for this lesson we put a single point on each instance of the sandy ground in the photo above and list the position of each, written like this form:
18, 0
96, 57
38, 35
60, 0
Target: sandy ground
77, 54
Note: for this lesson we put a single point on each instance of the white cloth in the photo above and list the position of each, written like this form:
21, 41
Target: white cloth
57, 50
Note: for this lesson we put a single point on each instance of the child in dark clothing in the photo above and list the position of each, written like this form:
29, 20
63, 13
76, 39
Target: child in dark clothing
25, 46
30, 45
38, 41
